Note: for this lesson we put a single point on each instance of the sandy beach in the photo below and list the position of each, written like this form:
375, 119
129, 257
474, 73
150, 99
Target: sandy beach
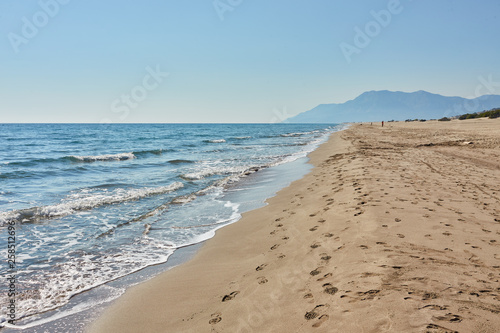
395, 229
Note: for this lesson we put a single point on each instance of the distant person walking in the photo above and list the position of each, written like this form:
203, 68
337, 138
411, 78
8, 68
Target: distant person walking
382, 123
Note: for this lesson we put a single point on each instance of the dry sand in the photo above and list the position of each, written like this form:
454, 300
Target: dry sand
396, 229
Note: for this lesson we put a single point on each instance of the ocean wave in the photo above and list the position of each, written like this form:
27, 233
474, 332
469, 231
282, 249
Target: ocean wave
33, 162
16, 175
149, 152
184, 199
79, 273
198, 175
294, 134
230, 179
107, 157
241, 137
180, 161
210, 171
297, 144
215, 141
84, 201
87, 159
284, 135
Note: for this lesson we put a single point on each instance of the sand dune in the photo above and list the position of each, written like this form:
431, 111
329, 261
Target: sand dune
396, 229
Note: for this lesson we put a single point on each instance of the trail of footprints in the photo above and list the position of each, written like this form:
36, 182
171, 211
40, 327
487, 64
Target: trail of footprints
317, 314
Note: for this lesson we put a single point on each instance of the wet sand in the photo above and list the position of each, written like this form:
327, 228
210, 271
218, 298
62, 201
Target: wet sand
396, 229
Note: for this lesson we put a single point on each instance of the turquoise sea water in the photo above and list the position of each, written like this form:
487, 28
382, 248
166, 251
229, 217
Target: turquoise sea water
95, 202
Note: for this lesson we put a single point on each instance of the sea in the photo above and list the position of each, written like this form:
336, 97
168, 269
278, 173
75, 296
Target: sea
85, 205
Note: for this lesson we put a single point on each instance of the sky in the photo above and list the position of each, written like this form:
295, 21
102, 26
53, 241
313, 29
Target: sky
234, 61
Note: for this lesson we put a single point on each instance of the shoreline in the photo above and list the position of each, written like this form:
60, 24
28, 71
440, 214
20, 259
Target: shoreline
336, 251
258, 187
156, 223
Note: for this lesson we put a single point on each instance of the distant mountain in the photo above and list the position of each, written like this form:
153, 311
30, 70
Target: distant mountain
395, 105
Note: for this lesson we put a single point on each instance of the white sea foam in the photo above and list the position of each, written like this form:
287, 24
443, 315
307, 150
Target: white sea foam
111, 294
215, 141
6, 217
108, 157
235, 216
184, 199
53, 288
293, 134
96, 200
84, 200
214, 170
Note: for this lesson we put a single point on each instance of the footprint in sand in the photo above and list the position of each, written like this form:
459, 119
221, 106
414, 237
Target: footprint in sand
230, 296
262, 280
435, 307
329, 289
261, 267
368, 295
326, 276
315, 245
216, 317
328, 234
322, 221
321, 320
313, 228
433, 328
316, 312
325, 256
316, 271
429, 295
275, 246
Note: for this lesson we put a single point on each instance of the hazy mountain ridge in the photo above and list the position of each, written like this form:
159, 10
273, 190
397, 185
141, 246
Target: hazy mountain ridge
395, 105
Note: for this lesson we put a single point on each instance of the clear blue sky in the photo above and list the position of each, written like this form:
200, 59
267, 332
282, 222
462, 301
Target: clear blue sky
233, 60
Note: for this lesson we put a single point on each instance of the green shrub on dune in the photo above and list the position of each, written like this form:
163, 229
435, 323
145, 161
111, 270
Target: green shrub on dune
493, 113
